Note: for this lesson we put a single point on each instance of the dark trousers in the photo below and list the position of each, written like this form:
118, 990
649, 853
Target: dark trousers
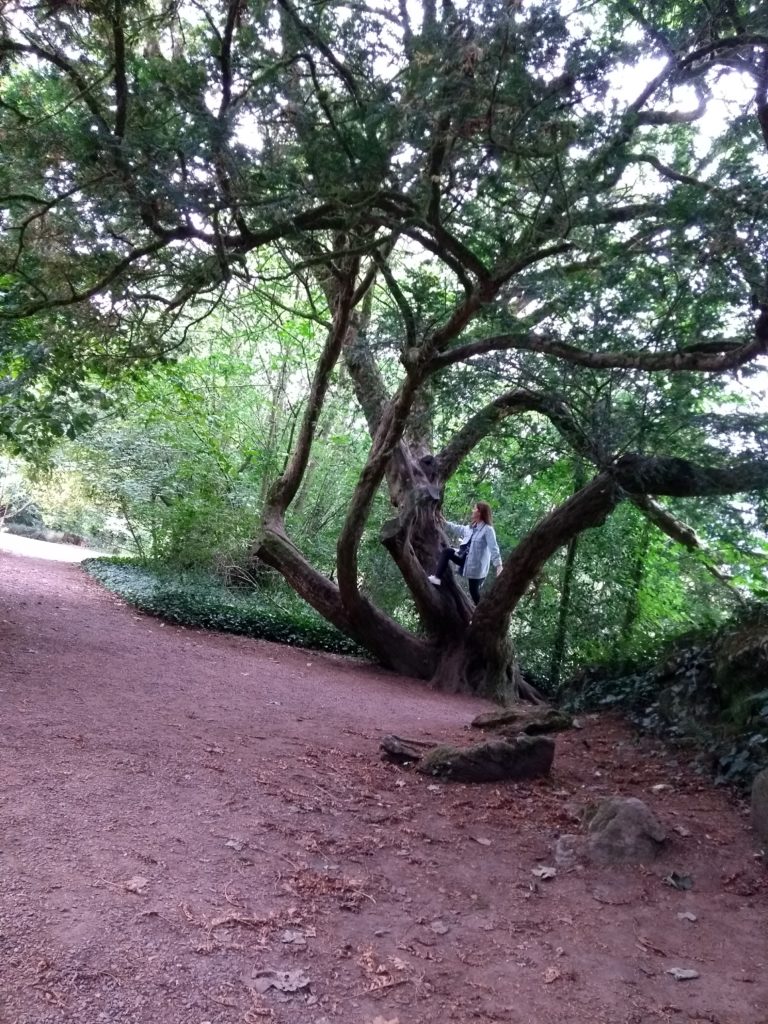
449, 555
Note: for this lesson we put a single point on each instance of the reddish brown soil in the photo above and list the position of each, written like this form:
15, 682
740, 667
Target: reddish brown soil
237, 786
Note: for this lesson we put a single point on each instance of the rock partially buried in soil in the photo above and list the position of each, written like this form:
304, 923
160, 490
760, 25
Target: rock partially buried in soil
760, 807
620, 830
623, 830
526, 757
531, 721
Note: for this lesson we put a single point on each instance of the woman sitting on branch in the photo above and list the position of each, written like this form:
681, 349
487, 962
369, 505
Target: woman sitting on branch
478, 548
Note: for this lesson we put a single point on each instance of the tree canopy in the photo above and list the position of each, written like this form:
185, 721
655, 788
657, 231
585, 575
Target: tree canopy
485, 211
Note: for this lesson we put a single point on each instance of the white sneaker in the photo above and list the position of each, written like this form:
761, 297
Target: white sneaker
435, 580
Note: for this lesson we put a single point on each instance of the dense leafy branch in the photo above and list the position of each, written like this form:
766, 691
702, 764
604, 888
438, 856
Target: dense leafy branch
681, 478
727, 354
430, 180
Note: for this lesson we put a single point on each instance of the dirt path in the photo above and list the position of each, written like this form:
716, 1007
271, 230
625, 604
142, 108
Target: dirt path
180, 811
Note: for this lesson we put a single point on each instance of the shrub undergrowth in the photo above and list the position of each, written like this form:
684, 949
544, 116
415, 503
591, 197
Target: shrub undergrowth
709, 694
199, 599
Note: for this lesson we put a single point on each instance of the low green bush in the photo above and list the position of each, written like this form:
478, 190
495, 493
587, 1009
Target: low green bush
197, 599
708, 694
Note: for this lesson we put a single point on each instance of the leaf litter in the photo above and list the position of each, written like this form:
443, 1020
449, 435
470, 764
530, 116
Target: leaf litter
438, 877
380, 974
284, 981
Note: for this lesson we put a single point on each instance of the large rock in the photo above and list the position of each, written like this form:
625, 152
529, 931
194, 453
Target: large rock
526, 757
620, 830
532, 721
623, 830
760, 807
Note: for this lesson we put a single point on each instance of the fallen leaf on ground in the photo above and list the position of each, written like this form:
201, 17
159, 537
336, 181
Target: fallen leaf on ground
683, 973
136, 884
551, 974
439, 927
544, 873
687, 916
482, 840
682, 830
380, 975
283, 981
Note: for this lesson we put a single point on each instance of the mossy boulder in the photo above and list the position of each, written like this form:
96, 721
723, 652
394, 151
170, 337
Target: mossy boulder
619, 830
525, 757
533, 721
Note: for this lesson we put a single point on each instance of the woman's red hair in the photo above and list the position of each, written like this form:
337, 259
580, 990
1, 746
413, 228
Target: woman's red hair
485, 511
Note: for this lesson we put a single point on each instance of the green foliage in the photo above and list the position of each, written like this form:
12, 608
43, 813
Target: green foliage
199, 600
185, 455
633, 588
17, 504
688, 697
43, 395
182, 188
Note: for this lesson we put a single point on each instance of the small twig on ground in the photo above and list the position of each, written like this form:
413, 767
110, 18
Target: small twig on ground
242, 919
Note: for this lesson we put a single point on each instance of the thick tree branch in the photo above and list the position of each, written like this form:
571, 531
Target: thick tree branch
666, 522
616, 214
394, 646
481, 295
680, 478
278, 551
403, 216
728, 43
84, 88
587, 508
761, 98
120, 77
630, 475
670, 173
225, 55
402, 303
388, 435
343, 73
366, 377
322, 217
485, 420
659, 117
284, 489
730, 357
100, 285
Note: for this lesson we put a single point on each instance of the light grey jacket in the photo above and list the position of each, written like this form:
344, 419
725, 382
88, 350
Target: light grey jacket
482, 551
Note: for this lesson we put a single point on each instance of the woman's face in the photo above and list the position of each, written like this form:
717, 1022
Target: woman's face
476, 517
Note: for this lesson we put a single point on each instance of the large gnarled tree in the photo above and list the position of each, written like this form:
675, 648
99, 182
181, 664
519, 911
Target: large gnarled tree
567, 196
